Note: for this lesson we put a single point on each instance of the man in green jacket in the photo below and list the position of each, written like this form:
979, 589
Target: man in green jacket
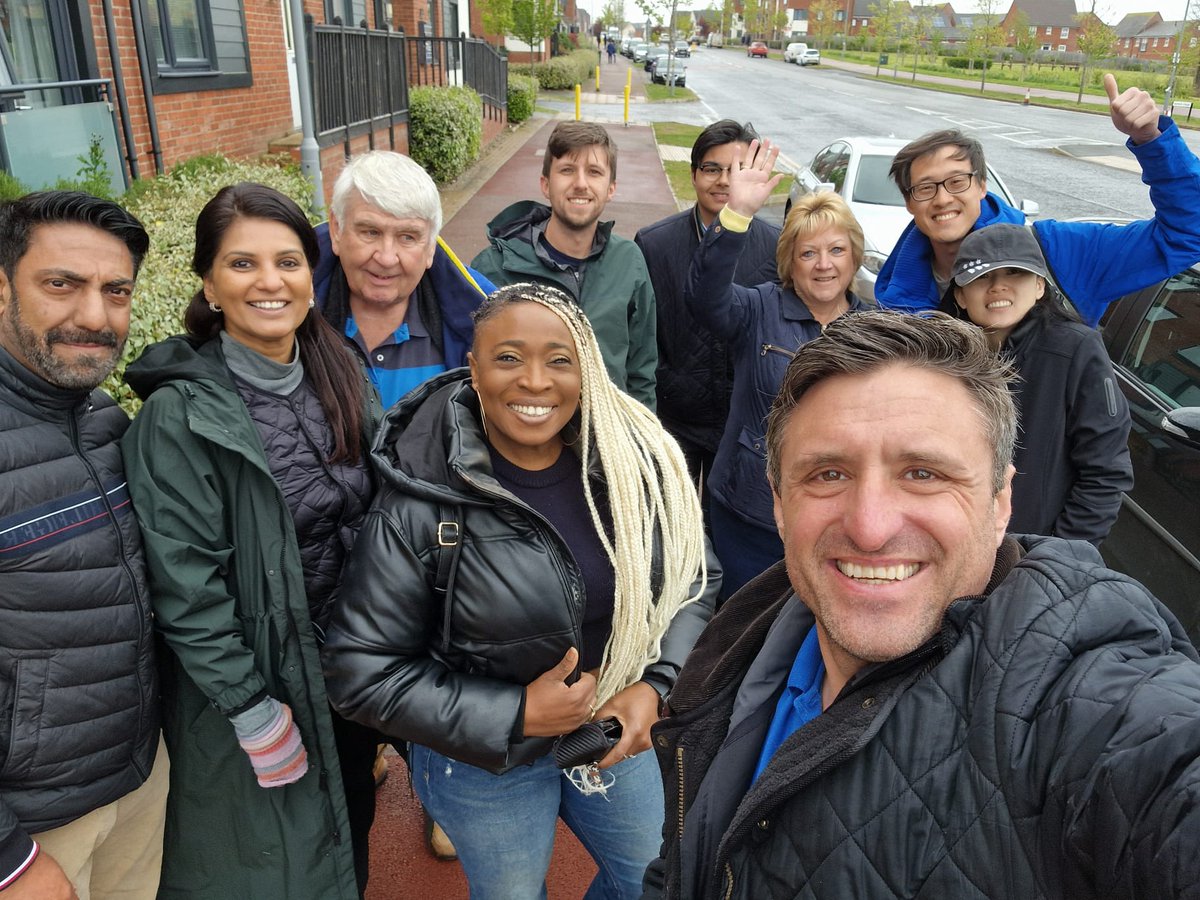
566, 245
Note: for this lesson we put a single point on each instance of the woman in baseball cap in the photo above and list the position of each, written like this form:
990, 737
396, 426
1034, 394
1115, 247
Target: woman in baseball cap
1072, 458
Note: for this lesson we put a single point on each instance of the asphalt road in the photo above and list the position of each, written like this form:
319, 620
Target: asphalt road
1066, 161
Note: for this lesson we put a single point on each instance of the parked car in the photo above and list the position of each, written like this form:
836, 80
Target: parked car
1153, 337
757, 48
653, 54
667, 70
630, 47
810, 57
792, 52
682, 49
857, 168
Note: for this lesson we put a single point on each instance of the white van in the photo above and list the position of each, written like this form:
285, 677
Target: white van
793, 52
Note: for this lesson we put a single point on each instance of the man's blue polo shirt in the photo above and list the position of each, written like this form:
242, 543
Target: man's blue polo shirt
406, 359
800, 701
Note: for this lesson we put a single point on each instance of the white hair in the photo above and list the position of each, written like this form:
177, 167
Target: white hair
392, 182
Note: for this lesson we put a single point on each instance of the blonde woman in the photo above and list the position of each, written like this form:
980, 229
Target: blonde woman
535, 559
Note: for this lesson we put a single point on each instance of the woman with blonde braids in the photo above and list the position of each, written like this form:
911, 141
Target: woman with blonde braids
535, 559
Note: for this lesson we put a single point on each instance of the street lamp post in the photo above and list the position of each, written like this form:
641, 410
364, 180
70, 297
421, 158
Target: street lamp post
1175, 59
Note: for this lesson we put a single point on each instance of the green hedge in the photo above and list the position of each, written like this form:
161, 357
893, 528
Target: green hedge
445, 129
961, 62
561, 73
168, 207
522, 95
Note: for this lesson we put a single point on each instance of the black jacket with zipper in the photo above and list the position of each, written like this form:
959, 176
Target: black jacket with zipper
1045, 743
452, 676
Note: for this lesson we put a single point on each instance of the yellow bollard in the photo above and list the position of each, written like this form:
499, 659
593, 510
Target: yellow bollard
626, 106
578, 91
597, 79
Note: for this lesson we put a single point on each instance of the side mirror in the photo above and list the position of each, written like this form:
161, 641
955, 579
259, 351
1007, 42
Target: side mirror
1184, 423
1031, 208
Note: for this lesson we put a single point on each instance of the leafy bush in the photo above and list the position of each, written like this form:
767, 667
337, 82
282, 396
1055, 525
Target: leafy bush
10, 187
961, 62
445, 129
168, 207
522, 95
561, 73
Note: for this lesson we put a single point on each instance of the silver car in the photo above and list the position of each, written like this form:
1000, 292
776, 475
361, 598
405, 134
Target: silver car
857, 168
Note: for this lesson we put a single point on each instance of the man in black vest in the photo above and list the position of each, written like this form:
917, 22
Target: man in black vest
83, 778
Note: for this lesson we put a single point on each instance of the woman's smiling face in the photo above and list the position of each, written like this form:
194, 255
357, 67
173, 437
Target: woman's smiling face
525, 368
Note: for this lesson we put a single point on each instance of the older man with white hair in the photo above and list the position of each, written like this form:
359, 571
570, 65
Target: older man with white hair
387, 281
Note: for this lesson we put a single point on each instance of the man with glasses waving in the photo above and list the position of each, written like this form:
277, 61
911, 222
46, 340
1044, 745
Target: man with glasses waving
943, 178
694, 376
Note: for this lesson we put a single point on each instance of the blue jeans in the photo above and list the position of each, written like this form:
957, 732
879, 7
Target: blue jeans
745, 550
503, 825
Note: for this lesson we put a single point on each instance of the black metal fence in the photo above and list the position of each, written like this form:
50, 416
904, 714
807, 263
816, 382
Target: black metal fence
361, 76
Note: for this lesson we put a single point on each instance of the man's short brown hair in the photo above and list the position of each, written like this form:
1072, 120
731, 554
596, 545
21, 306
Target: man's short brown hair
865, 342
569, 138
968, 149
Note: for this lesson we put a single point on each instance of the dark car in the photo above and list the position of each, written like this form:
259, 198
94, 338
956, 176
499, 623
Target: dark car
654, 54
757, 48
682, 49
668, 70
1153, 337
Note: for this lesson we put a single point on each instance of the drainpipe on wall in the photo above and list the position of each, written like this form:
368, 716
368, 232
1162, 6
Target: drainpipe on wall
119, 88
310, 151
135, 7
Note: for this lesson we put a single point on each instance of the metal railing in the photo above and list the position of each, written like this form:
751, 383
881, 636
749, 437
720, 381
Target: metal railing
361, 76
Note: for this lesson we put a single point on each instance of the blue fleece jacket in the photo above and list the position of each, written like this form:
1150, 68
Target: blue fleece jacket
1092, 263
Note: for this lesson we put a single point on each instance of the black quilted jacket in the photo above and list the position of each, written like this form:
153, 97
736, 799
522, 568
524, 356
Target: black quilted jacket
1046, 743
78, 690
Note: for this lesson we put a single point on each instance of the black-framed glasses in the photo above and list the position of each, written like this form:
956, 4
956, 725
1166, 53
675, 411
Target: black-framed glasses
712, 170
955, 184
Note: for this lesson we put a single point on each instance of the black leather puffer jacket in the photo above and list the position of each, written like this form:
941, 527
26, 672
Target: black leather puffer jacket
452, 676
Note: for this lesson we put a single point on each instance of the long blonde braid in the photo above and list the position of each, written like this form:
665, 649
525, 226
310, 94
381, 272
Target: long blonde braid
651, 500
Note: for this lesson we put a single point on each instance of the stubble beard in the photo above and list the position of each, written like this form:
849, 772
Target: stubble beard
84, 373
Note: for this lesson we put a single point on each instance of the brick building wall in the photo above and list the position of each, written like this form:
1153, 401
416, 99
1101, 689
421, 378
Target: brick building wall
234, 121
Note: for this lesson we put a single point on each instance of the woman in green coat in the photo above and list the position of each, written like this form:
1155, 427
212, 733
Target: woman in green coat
248, 474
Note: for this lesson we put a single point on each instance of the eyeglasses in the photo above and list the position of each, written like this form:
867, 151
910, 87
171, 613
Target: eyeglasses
955, 184
712, 171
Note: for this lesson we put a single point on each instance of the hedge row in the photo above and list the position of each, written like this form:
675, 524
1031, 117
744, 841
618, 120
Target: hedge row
445, 130
561, 73
522, 95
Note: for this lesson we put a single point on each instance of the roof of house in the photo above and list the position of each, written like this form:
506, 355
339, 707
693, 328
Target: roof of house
1133, 23
1160, 30
1048, 12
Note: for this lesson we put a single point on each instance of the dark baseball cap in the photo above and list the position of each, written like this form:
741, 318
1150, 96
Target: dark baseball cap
999, 246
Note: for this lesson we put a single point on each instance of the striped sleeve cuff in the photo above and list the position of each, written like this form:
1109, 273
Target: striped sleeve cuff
34, 849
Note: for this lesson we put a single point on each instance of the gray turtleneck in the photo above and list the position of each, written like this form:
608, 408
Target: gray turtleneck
259, 371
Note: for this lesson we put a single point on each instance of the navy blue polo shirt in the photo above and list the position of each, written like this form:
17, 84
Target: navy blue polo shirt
404, 360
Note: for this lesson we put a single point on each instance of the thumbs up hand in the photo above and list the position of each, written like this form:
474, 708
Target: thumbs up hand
1134, 112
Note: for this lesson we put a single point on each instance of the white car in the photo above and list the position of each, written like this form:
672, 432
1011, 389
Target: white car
793, 52
810, 57
857, 168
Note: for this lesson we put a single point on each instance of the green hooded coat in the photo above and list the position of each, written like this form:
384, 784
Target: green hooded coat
229, 600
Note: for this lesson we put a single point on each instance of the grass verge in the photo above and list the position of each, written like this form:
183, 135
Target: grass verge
660, 93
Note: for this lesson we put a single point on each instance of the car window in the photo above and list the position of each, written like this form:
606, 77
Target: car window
1165, 351
872, 184
830, 164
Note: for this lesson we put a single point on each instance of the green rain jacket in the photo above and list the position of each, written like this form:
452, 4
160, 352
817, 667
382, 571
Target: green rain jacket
229, 600
612, 286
